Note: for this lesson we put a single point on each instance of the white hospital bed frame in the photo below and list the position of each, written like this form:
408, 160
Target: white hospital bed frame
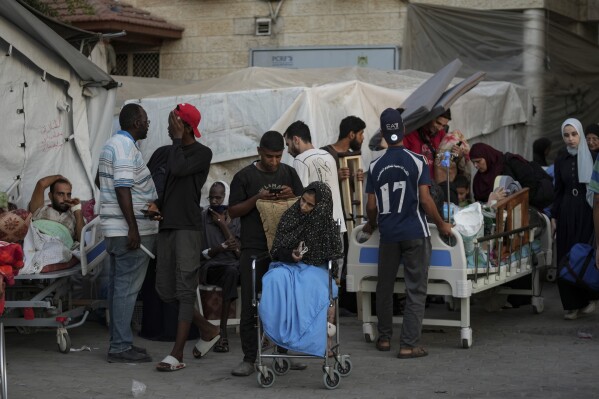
53, 288
448, 275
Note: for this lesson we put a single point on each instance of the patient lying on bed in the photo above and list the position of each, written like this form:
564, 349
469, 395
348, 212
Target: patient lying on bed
295, 293
55, 228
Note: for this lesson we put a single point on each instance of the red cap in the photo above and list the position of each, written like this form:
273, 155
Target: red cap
190, 115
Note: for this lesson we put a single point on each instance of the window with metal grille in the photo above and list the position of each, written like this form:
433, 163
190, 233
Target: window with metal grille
146, 65
121, 64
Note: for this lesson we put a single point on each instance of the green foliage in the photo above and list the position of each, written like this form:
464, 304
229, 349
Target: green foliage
72, 7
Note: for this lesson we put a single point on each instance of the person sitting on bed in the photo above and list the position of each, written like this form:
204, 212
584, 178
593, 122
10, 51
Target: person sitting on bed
293, 289
62, 208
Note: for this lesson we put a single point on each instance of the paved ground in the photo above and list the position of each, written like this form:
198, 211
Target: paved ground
514, 354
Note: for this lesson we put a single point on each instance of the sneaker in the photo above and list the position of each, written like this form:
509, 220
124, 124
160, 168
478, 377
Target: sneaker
129, 356
139, 349
243, 369
298, 365
571, 314
590, 308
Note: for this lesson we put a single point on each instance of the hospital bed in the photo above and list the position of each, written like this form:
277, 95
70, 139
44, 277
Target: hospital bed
457, 276
43, 299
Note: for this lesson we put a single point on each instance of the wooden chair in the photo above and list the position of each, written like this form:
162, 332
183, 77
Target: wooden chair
352, 190
512, 213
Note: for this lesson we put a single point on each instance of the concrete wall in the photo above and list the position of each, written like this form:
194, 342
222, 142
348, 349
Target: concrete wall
219, 33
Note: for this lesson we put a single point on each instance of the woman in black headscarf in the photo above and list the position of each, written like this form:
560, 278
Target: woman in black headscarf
491, 163
295, 293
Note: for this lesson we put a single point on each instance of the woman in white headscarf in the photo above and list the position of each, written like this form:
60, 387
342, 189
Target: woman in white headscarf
572, 212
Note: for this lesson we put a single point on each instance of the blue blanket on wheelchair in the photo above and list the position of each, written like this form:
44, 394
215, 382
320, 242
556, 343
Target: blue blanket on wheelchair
294, 305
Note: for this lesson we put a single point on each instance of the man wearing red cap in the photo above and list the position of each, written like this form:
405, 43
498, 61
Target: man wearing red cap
179, 238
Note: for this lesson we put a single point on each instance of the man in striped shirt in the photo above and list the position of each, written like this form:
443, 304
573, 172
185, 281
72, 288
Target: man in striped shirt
126, 187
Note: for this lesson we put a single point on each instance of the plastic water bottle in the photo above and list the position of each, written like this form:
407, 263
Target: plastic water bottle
451, 208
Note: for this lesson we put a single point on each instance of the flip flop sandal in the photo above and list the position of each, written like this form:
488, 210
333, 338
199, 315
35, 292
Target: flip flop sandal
415, 352
170, 363
222, 346
201, 348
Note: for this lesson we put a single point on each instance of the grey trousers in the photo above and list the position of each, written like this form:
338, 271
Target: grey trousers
416, 255
177, 269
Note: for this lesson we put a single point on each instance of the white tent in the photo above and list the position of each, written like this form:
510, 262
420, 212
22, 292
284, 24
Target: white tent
55, 105
239, 107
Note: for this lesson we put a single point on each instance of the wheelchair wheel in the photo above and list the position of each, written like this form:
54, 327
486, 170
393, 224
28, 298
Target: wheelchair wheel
281, 366
266, 381
345, 368
332, 383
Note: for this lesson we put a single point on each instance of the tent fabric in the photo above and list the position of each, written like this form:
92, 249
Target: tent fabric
500, 44
53, 123
239, 107
22, 18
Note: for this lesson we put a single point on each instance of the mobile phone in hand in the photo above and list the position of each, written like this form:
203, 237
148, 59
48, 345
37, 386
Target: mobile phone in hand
275, 190
150, 214
302, 248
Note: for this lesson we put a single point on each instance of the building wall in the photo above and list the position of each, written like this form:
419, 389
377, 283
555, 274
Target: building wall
219, 33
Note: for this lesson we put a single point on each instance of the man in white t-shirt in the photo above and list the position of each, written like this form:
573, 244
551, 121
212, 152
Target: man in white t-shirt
313, 164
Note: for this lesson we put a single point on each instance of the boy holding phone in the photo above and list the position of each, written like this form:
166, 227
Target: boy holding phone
268, 179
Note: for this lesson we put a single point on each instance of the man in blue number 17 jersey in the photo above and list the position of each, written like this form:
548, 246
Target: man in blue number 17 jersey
398, 203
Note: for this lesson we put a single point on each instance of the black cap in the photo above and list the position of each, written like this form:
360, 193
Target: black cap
392, 126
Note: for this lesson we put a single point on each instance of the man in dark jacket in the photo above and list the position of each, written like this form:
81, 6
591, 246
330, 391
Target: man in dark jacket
179, 238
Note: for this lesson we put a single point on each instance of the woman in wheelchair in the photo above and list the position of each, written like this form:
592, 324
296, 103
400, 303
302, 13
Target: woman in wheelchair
295, 291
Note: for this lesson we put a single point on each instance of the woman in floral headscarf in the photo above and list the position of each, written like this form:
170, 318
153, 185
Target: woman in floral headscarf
295, 293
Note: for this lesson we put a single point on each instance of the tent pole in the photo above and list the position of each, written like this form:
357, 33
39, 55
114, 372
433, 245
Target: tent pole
534, 70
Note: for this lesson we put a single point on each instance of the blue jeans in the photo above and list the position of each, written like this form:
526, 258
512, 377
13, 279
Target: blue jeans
126, 275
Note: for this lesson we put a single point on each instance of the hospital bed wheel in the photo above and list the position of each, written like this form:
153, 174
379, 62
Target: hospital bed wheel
267, 380
281, 366
64, 341
537, 304
332, 383
466, 336
368, 330
345, 369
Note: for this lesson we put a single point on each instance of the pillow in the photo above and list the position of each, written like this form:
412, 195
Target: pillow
270, 213
14, 225
509, 185
54, 229
87, 210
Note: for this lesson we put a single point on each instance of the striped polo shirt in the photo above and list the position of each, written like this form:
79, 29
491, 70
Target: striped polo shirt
122, 165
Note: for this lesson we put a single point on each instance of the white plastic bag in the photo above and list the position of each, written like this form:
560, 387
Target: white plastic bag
138, 388
469, 223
